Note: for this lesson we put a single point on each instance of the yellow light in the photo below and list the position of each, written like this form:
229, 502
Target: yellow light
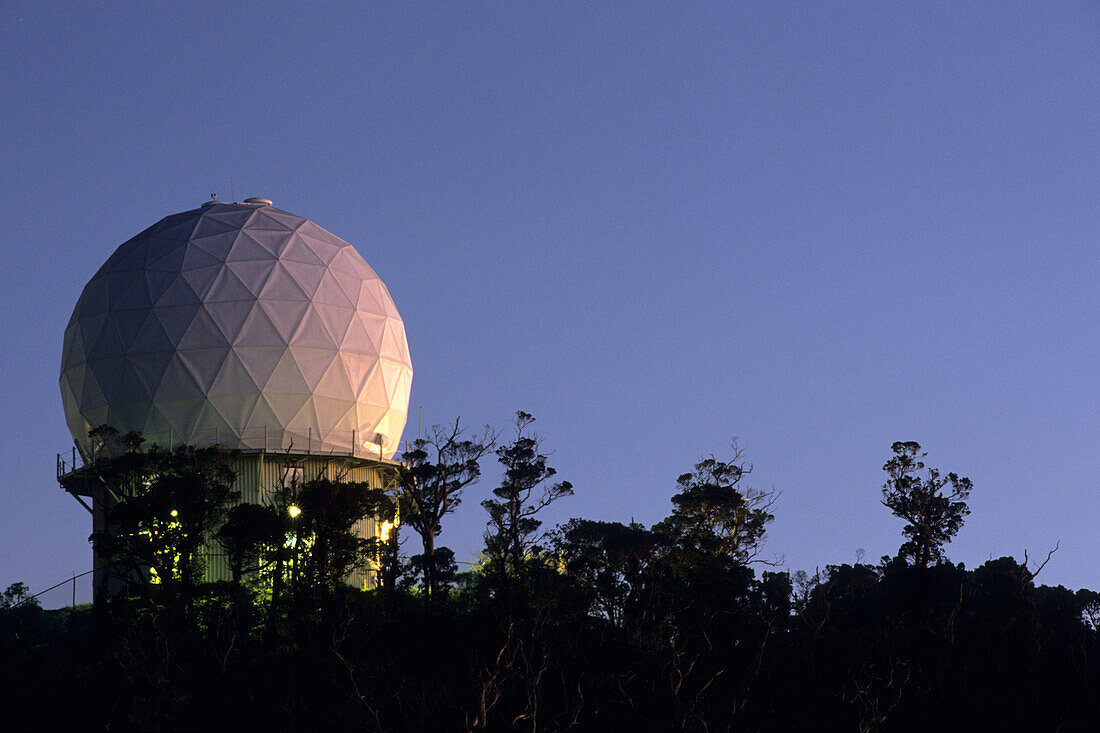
293, 510
384, 533
175, 513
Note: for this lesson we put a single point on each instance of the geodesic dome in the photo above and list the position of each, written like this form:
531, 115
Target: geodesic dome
243, 325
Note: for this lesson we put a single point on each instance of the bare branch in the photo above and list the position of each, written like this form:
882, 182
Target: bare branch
1031, 574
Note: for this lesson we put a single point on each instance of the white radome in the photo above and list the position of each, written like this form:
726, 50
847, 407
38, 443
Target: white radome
242, 325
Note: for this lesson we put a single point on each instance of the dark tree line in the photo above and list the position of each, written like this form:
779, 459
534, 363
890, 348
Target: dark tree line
590, 625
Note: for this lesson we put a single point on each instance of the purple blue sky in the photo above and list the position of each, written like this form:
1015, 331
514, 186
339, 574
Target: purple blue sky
818, 227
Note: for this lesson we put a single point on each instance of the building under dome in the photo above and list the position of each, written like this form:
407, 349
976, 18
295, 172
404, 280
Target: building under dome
244, 326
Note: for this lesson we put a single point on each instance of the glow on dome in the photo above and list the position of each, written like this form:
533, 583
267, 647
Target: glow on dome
239, 324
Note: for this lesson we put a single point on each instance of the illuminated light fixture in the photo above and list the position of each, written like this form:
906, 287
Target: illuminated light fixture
174, 513
294, 510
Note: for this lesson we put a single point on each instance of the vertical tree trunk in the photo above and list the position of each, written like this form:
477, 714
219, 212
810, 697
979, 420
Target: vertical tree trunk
429, 566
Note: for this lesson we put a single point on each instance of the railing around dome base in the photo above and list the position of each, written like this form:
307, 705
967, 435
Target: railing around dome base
335, 444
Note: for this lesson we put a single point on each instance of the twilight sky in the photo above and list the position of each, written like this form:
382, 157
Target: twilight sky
818, 227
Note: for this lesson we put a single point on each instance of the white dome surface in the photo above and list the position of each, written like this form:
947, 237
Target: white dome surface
239, 324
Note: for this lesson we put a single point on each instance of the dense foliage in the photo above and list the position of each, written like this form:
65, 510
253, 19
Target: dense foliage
590, 626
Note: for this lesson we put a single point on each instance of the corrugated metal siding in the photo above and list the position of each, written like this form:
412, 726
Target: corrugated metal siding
260, 475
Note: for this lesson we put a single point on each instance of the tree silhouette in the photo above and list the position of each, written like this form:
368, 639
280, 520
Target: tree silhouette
436, 469
713, 516
512, 522
933, 507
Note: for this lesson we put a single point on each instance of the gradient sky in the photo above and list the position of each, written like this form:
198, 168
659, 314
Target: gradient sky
818, 227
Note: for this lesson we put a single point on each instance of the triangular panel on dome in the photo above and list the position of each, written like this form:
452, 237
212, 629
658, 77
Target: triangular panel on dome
179, 227
89, 328
93, 417
392, 373
176, 319
197, 257
337, 320
335, 383
129, 324
106, 373
156, 248
204, 365
118, 282
72, 384
178, 383
178, 292
211, 225
268, 217
398, 329
260, 330
313, 363
402, 390
203, 332
125, 250
313, 332
127, 416
180, 417
95, 298
130, 386
107, 343
132, 259
307, 276
233, 378
150, 336
230, 316
370, 298
169, 259
201, 279
253, 273
331, 422
295, 249
157, 283
235, 410
281, 285
151, 368
227, 286
246, 248
330, 292
287, 315
272, 240
346, 283
372, 387
91, 394
287, 378
216, 245
327, 248
69, 391
306, 418
342, 419
371, 420
157, 427
358, 368
72, 350
393, 342
210, 425
263, 416
349, 260
285, 407
373, 327
260, 361
130, 293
